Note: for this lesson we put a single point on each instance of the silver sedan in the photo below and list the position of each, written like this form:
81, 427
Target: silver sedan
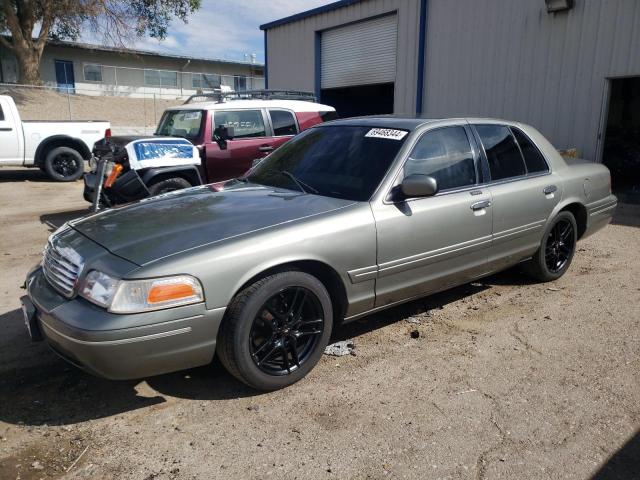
348, 218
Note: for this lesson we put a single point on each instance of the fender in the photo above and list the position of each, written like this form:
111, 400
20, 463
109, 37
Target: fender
190, 172
61, 141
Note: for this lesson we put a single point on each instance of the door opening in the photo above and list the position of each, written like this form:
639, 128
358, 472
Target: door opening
360, 100
621, 152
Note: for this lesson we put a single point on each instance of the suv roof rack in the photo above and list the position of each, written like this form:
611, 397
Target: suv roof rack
220, 96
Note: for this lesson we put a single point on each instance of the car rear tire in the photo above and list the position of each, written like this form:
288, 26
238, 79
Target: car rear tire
64, 164
556, 251
168, 185
276, 330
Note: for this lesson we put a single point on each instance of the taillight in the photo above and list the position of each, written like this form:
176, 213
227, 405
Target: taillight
107, 133
115, 171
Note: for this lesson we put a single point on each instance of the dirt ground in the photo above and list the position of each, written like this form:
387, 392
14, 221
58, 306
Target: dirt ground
508, 379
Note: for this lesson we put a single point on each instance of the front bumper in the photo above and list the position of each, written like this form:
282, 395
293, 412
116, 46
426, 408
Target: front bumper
151, 344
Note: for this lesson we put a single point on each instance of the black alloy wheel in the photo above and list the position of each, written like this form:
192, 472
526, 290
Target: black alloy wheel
556, 251
559, 245
286, 331
65, 164
276, 329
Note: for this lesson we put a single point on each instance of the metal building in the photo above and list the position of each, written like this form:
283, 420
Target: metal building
569, 67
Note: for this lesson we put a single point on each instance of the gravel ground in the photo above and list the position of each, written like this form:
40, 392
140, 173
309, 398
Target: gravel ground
506, 379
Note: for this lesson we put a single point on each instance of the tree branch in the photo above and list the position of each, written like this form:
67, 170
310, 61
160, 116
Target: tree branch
12, 20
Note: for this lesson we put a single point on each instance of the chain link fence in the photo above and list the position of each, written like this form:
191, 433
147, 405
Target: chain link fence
129, 113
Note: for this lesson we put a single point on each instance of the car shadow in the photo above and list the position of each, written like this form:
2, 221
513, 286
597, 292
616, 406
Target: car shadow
55, 220
50, 391
627, 214
624, 464
23, 175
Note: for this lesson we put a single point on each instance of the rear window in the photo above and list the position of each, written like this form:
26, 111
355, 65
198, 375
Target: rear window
502, 152
532, 157
283, 123
1, 114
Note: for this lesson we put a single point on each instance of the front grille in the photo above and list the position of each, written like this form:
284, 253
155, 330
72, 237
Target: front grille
60, 269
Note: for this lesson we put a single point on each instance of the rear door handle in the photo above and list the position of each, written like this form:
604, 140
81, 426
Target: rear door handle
549, 189
265, 148
5, 129
480, 205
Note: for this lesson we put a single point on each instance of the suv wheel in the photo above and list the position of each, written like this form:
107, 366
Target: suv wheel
168, 185
558, 245
275, 330
64, 164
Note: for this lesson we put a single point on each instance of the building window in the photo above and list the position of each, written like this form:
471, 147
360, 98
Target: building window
205, 80
160, 78
92, 72
239, 83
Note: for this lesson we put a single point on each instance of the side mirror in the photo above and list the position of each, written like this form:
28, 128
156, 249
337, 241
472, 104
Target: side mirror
221, 134
417, 185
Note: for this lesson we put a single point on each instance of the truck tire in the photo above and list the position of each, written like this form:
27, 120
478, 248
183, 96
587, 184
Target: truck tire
168, 185
64, 164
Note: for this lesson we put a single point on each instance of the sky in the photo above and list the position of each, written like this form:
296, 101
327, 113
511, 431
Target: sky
226, 29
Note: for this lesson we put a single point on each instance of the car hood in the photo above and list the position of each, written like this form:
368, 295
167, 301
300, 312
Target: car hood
172, 223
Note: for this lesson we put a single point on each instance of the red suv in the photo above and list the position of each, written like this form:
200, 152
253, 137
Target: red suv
230, 132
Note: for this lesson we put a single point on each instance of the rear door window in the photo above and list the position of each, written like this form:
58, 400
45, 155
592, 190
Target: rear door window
284, 123
1, 113
245, 123
503, 154
532, 157
444, 154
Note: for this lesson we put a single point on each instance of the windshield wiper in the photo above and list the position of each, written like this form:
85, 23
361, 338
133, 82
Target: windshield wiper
301, 185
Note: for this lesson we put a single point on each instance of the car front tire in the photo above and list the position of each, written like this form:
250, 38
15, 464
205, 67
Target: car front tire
276, 330
554, 256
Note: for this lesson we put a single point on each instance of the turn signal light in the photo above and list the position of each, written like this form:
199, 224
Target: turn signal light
168, 292
115, 171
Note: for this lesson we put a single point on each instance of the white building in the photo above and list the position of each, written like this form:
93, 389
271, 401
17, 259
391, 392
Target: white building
98, 70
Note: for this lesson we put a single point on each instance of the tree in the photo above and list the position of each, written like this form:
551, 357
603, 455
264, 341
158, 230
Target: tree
117, 22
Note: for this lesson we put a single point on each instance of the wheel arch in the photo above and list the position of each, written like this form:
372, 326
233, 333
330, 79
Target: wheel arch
579, 212
154, 175
325, 273
56, 141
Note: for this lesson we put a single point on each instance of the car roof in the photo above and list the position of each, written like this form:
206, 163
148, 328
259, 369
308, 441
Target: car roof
295, 105
409, 122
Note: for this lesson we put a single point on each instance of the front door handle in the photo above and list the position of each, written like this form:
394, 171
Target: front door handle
5, 129
265, 148
480, 205
549, 189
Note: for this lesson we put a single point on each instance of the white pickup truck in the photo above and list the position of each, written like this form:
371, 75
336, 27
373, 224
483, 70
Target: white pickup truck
59, 148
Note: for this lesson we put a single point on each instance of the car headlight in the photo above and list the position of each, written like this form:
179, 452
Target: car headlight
133, 296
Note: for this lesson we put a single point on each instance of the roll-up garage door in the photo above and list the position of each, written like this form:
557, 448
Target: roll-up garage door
360, 54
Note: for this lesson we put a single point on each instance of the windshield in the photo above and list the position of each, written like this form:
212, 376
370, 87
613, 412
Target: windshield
334, 161
180, 123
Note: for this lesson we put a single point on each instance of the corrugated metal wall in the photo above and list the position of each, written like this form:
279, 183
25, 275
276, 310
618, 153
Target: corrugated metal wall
511, 59
291, 47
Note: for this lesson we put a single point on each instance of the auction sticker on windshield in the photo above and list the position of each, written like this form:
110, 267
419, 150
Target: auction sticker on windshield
389, 133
